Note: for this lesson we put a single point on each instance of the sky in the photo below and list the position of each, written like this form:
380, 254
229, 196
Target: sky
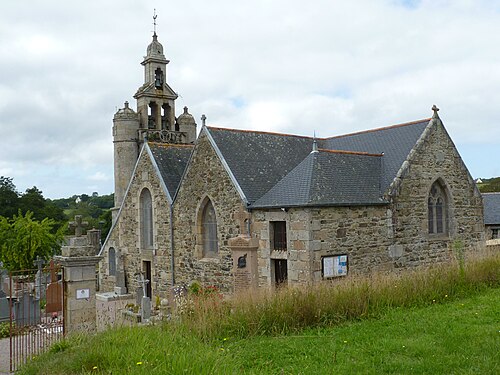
323, 66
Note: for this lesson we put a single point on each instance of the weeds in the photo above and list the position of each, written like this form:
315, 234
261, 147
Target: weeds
292, 309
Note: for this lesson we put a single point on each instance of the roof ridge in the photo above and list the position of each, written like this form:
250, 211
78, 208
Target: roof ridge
379, 129
349, 152
262, 132
490, 192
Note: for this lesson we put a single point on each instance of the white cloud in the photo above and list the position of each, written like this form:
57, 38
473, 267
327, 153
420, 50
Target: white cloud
285, 66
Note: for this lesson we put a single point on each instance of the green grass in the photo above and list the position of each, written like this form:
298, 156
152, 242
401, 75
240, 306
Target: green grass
444, 320
453, 337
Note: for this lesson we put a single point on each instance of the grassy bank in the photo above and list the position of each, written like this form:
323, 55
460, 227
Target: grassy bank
440, 320
328, 304
458, 337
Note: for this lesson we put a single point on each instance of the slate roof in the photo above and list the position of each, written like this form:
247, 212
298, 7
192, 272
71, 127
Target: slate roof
395, 142
491, 208
171, 160
261, 161
328, 178
258, 160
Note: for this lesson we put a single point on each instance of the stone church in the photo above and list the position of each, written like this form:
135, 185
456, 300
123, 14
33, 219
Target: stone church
240, 209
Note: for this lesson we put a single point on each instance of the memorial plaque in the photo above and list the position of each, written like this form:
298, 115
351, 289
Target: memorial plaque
82, 293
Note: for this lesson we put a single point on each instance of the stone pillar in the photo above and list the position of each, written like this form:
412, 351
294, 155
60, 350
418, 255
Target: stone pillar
79, 262
245, 266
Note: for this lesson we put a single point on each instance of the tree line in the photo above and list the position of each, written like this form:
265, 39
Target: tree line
32, 226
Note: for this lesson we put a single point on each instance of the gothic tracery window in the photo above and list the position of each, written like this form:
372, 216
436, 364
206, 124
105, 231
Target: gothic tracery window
209, 231
146, 217
437, 208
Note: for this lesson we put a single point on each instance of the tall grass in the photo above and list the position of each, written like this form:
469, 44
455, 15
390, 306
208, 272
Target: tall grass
292, 309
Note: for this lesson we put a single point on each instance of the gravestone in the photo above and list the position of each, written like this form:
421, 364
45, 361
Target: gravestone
39, 289
120, 287
26, 310
54, 291
145, 300
4, 309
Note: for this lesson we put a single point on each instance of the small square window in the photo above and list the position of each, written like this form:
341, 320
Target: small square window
278, 240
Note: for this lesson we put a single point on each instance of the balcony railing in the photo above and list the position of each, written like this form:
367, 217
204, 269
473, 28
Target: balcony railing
163, 136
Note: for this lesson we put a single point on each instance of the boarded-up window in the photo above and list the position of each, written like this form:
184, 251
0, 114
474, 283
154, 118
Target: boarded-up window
437, 207
146, 207
279, 235
209, 231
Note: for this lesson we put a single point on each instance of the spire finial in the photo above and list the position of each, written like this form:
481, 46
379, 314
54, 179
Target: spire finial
435, 109
154, 21
315, 143
203, 120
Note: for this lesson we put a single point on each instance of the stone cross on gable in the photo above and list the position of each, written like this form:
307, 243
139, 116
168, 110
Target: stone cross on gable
435, 109
243, 216
142, 282
78, 224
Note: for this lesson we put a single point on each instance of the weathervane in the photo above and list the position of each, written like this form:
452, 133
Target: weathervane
154, 20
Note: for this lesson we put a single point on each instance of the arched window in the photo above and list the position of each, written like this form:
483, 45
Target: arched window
146, 212
209, 231
112, 261
437, 208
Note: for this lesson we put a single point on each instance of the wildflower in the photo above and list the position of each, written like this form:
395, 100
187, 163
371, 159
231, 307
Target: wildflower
94, 368
446, 296
433, 300
345, 342
224, 339
139, 363
404, 346
221, 349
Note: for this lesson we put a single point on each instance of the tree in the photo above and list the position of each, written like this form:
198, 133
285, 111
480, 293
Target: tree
9, 197
23, 239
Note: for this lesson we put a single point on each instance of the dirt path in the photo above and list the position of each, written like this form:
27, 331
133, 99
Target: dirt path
4, 356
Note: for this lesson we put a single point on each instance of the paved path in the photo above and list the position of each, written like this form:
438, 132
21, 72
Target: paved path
4, 356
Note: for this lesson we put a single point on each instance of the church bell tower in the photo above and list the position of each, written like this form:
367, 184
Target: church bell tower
154, 121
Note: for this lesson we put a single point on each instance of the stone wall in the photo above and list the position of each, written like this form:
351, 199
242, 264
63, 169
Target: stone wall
380, 238
125, 236
435, 158
205, 177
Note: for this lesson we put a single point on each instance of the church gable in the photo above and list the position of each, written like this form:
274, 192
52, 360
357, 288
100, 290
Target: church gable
204, 212
435, 201
140, 230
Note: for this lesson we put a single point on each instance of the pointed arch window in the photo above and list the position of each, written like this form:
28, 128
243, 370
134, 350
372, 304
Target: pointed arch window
437, 209
209, 231
146, 215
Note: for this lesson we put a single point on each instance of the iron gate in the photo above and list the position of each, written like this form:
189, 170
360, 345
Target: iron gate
36, 312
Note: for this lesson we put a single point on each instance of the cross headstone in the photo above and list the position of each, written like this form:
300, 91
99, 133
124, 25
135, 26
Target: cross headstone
243, 216
79, 225
39, 262
142, 282
146, 301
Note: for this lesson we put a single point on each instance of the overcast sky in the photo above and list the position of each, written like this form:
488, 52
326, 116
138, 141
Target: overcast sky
330, 66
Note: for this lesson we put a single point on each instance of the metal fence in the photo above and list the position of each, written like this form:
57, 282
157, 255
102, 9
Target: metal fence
35, 299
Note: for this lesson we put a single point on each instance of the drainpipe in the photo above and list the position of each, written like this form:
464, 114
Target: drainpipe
172, 263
